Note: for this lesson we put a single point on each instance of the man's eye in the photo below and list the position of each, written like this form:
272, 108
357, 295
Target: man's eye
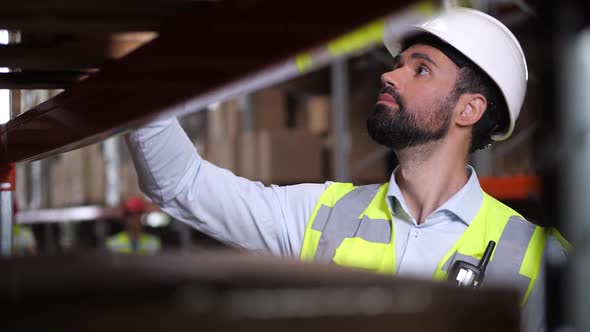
423, 71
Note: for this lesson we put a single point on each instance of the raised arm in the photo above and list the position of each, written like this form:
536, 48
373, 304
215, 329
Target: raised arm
232, 209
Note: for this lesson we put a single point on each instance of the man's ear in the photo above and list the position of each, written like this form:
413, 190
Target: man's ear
472, 109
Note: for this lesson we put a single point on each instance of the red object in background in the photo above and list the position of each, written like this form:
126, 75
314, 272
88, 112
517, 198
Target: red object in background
134, 205
512, 187
7, 177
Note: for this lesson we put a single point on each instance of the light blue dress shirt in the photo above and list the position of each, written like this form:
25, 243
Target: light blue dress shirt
272, 219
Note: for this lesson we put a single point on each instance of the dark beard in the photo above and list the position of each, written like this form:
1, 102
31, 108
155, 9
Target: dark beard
400, 129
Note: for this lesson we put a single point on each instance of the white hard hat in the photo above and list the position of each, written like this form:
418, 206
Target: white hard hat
486, 42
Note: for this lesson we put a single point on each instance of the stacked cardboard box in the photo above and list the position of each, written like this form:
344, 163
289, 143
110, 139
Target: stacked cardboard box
225, 140
129, 182
281, 156
21, 192
94, 174
77, 178
270, 109
315, 114
225, 122
367, 159
57, 188
273, 153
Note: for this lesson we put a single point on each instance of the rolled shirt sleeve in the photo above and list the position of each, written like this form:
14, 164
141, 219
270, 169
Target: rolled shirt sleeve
233, 209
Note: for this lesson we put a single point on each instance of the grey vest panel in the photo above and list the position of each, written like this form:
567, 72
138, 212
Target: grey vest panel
508, 256
342, 221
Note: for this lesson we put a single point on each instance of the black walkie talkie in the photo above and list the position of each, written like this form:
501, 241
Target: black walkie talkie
468, 275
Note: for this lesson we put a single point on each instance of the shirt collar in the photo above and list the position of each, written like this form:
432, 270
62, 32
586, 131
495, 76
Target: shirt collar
464, 204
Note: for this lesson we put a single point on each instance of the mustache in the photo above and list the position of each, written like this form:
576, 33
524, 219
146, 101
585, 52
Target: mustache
394, 94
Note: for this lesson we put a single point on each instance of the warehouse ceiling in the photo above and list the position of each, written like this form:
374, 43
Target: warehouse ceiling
55, 43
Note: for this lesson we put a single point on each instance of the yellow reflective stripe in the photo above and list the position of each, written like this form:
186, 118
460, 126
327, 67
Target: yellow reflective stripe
488, 224
359, 253
122, 238
310, 244
426, 7
332, 194
368, 35
122, 244
123, 250
148, 239
303, 62
329, 197
465, 3
531, 263
564, 243
466, 242
378, 208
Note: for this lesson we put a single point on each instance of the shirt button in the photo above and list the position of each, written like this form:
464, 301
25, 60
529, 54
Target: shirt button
416, 232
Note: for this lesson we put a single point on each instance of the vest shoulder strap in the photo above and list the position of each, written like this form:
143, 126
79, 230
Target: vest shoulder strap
329, 197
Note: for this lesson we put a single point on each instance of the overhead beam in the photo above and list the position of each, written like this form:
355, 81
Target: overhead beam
82, 51
138, 87
46, 80
73, 24
90, 15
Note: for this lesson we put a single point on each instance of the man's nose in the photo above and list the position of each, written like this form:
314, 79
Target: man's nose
391, 79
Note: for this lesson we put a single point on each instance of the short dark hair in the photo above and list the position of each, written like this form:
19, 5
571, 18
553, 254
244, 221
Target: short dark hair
471, 79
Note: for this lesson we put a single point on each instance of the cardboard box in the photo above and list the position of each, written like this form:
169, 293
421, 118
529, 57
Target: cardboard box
281, 157
57, 185
270, 110
221, 151
94, 174
368, 161
315, 114
248, 158
359, 109
21, 193
75, 180
224, 120
129, 181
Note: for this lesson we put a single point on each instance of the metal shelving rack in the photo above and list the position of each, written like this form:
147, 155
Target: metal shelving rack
60, 113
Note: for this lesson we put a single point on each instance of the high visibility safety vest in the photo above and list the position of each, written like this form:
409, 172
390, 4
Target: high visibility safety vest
352, 226
122, 244
23, 237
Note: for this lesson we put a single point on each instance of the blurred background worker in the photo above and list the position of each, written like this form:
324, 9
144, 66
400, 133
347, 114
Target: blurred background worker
133, 240
24, 243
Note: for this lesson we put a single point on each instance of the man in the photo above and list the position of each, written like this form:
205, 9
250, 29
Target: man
24, 243
457, 85
133, 240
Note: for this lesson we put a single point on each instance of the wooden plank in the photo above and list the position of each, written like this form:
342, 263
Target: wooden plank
82, 51
90, 15
40, 80
61, 25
